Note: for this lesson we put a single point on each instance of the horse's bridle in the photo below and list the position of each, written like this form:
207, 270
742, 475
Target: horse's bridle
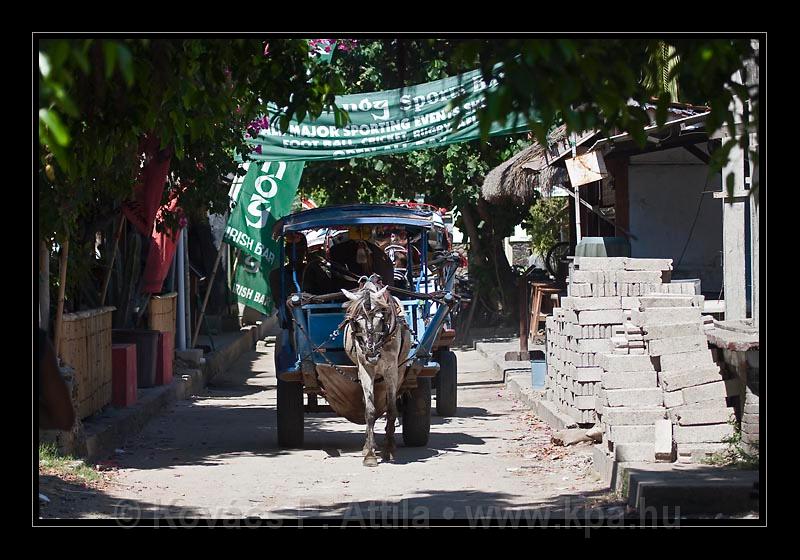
390, 327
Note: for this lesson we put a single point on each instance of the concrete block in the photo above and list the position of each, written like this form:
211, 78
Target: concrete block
752, 439
666, 315
617, 363
673, 399
593, 304
750, 408
702, 393
712, 433
662, 435
585, 402
629, 380
586, 374
685, 360
750, 428
601, 263
629, 302
599, 317
695, 415
648, 264
654, 301
594, 345
632, 434
676, 380
584, 276
698, 452
639, 398
654, 332
639, 277
630, 415
634, 452
570, 316
680, 344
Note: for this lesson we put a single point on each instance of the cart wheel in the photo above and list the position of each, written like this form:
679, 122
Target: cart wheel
447, 383
417, 414
290, 414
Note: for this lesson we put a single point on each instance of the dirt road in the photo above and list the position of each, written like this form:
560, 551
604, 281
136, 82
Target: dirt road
217, 456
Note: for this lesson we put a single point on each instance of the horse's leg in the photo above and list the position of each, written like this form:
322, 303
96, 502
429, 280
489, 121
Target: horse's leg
370, 460
390, 377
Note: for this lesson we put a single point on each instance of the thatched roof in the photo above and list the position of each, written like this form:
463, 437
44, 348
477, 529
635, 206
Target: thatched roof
528, 171
520, 177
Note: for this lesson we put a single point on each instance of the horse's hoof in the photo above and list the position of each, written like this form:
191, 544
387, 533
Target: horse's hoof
370, 461
387, 456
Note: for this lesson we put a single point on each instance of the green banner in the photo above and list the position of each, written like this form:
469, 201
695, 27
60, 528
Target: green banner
261, 196
251, 285
387, 122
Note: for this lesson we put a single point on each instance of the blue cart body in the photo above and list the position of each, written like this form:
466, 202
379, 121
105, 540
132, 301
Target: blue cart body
317, 339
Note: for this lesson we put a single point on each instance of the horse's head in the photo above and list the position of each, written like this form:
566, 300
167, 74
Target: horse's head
371, 317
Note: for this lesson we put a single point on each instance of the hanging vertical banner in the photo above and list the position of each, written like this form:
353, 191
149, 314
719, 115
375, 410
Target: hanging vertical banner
251, 285
261, 196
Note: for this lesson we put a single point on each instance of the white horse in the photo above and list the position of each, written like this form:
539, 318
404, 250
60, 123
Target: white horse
376, 339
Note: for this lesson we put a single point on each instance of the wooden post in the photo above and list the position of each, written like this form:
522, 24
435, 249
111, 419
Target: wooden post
107, 279
61, 287
202, 311
524, 328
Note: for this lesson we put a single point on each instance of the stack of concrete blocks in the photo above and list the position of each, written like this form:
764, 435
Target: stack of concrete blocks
602, 291
693, 386
620, 277
628, 339
573, 378
631, 408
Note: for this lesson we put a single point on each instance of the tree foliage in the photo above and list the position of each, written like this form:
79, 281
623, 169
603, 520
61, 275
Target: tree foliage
99, 97
547, 219
590, 83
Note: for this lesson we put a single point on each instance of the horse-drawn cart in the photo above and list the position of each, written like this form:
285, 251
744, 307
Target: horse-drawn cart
405, 251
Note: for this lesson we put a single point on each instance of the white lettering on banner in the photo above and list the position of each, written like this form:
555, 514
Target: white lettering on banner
259, 205
243, 291
367, 105
337, 153
239, 237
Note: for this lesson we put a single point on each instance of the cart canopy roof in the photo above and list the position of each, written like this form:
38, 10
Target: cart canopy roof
348, 215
